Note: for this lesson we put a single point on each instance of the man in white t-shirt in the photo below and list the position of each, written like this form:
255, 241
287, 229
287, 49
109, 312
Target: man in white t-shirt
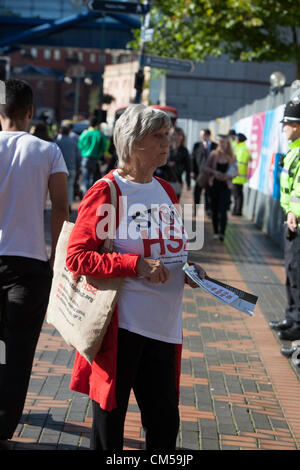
29, 168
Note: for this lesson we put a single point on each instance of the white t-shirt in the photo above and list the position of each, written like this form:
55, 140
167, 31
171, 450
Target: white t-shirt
26, 163
151, 310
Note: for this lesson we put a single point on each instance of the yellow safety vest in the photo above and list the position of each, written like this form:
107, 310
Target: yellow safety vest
243, 157
294, 180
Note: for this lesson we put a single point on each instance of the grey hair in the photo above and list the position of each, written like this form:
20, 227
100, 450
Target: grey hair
135, 123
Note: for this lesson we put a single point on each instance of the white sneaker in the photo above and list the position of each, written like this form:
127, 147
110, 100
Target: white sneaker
215, 236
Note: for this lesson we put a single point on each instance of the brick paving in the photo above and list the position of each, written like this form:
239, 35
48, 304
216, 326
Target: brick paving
237, 390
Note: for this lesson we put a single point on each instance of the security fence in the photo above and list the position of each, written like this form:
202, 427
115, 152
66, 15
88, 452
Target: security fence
260, 122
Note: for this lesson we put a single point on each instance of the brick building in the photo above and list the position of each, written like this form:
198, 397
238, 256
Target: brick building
50, 72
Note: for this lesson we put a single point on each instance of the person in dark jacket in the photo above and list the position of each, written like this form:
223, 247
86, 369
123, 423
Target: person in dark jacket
200, 153
178, 162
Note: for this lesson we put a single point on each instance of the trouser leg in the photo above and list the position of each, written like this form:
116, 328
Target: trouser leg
108, 426
207, 200
237, 192
224, 201
156, 394
146, 366
292, 269
88, 171
25, 286
214, 205
197, 196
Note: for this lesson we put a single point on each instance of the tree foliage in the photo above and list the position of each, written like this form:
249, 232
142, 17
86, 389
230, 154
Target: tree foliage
246, 30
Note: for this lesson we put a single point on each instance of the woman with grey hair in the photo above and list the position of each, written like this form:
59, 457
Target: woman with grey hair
142, 347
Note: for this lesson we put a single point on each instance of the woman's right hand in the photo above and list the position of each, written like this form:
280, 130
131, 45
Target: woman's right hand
153, 270
219, 175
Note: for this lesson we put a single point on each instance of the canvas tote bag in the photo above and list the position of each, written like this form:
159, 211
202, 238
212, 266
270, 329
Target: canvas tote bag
81, 309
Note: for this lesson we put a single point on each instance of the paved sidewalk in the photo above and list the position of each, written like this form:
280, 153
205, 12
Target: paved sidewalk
237, 390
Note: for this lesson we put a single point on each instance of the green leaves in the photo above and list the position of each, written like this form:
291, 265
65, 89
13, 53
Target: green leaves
261, 30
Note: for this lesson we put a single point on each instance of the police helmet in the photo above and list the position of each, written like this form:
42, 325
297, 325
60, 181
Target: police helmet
291, 112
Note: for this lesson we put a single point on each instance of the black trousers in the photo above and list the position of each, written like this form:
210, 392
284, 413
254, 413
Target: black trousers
220, 203
292, 270
24, 291
148, 367
197, 197
237, 192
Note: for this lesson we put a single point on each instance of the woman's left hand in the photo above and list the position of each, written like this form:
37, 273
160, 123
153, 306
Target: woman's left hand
201, 273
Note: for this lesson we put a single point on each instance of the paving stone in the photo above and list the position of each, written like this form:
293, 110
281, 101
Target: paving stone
231, 391
209, 444
190, 440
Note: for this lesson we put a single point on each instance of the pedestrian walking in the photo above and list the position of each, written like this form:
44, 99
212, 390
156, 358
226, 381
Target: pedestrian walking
289, 328
200, 154
72, 159
178, 163
77, 184
29, 168
40, 130
142, 346
221, 168
243, 157
92, 144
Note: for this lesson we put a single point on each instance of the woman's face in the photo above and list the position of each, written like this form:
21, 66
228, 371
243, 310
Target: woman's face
178, 138
223, 144
153, 149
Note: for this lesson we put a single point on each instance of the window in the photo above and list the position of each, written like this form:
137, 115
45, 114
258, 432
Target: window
34, 52
57, 54
47, 54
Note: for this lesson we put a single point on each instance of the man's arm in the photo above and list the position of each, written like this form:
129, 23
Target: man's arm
58, 191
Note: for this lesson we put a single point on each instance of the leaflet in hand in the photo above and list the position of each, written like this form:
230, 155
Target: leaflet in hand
232, 170
242, 301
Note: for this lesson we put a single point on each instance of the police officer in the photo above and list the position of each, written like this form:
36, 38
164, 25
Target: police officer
289, 328
243, 157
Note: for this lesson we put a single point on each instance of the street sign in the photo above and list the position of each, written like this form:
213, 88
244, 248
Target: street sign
167, 63
118, 7
147, 34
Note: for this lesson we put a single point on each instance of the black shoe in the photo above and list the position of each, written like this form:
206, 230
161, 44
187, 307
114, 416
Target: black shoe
221, 238
288, 352
280, 325
5, 444
289, 335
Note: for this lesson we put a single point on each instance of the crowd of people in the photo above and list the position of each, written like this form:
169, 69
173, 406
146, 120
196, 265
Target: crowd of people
148, 162
218, 170
84, 154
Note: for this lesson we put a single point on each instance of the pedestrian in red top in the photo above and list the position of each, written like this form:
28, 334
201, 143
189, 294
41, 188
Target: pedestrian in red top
142, 347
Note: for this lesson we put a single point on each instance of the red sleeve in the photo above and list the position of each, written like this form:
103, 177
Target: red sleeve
88, 235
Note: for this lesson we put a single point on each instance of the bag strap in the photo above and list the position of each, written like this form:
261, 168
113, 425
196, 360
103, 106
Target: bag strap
109, 241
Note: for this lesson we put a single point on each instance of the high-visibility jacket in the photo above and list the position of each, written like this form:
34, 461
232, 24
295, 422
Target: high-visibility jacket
234, 144
289, 180
243, 157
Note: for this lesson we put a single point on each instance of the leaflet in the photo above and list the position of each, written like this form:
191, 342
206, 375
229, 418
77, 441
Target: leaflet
236, 298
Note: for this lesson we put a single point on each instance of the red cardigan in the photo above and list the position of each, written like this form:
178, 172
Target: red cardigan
98, 380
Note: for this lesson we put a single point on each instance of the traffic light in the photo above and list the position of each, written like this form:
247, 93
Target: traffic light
139, 81
4, 68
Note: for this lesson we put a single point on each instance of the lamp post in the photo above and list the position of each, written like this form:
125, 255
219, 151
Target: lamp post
277, 82
76, 71
140, 76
